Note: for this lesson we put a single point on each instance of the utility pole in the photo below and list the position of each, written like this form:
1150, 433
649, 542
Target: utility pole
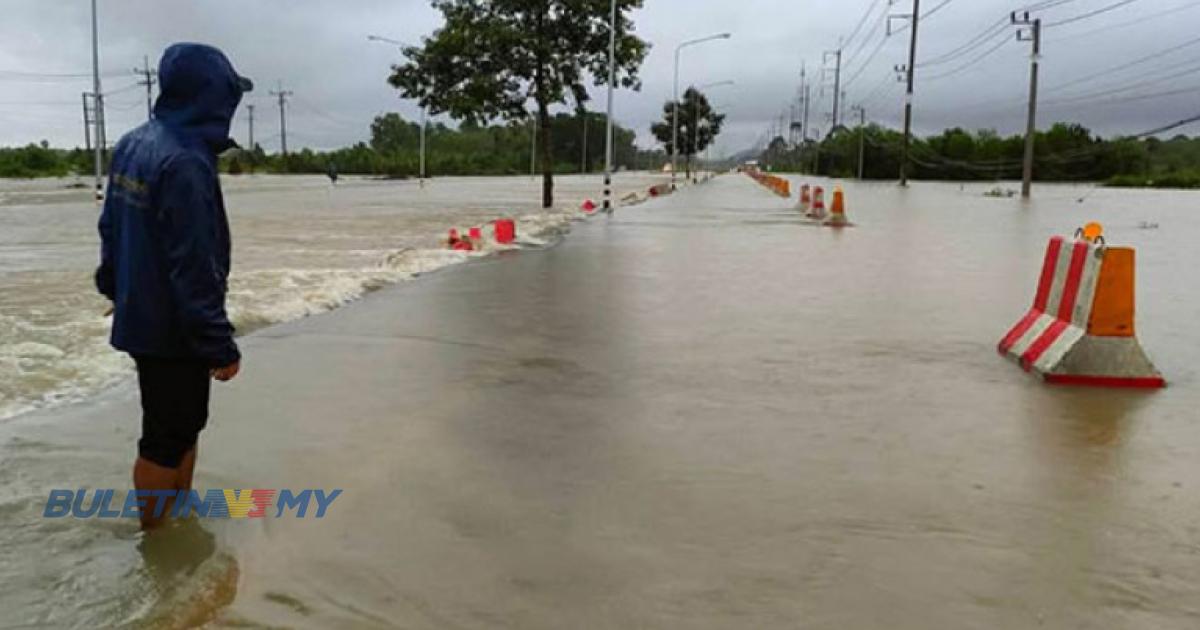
837, 80
282, 95
862, 139
1033, 35
908, 94
97, 106
250, 107
148, 80
87, 123
807, 98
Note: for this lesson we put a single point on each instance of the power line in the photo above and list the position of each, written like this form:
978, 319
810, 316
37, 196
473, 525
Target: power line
861, 22
870, 35
989, 52
867, 64
1126, 23
1127, 87
1090, 14
1136, 62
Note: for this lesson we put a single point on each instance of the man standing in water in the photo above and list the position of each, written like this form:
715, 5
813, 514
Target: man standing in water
164, 260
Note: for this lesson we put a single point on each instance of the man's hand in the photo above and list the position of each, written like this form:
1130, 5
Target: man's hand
226, 373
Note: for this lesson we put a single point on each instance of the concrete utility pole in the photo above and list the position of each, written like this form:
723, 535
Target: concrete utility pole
148, 80
908, 94
804, 104
282, 95
87, 123
608, 126
862, 138
807, 96
1033, 35
97, 105
837, 81
250, 108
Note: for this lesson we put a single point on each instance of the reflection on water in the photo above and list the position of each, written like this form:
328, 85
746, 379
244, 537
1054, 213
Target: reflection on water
188, 579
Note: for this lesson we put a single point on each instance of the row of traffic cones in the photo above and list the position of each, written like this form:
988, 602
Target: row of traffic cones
812, 204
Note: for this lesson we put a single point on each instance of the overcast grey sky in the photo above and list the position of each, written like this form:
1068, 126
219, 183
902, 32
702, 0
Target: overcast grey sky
319, 49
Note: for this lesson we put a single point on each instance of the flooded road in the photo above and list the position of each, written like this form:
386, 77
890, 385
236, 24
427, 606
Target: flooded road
700, 413
301, 247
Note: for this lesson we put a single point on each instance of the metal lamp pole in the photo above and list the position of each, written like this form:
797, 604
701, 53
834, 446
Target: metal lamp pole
675, 100
424, 111
97, 105
608, 131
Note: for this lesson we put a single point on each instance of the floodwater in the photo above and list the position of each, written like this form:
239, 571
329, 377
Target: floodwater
301, 247
700, 413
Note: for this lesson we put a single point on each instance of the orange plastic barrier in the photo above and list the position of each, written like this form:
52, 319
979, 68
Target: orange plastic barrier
777, 185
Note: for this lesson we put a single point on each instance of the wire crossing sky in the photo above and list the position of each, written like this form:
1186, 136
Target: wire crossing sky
1116, 66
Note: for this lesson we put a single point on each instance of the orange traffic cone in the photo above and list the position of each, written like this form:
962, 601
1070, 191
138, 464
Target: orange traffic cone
837, 216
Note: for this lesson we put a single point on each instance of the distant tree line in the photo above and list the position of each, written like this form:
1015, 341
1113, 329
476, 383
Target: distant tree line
394, 151
1065, 152
40, 160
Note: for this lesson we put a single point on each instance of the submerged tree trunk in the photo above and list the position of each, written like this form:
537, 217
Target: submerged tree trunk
547, 159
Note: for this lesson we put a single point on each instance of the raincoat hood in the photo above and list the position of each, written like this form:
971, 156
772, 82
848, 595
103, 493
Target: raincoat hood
199, 93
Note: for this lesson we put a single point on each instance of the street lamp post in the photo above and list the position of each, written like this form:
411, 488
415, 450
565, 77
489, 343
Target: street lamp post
424, 110
97, 106
675, 100
696, 111
608, 129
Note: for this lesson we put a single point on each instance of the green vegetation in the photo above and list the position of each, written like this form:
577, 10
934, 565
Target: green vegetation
39, 160
699, 125
490, 59
1065, 152
394, 150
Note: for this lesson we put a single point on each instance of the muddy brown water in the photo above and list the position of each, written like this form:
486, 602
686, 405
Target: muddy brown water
698, 414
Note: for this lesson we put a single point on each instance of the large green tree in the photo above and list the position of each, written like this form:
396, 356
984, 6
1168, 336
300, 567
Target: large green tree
699, 126
491, 57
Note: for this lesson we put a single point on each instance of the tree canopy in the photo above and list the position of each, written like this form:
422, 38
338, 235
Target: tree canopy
491, 57
1064, 152
699, 125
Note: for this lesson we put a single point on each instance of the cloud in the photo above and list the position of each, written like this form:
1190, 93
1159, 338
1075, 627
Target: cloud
319, 50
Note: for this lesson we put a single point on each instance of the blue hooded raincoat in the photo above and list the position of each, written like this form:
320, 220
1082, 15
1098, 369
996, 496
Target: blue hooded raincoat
164, 256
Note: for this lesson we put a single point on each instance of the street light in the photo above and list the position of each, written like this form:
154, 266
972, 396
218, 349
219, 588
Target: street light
696, 109
97, 106
608, 129
424, 112
675, 101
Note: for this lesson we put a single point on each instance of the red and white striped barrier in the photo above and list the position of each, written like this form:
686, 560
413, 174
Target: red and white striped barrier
1080, 328
805, 199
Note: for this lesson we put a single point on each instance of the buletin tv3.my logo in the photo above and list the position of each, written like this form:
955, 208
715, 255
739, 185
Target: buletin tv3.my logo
217, 503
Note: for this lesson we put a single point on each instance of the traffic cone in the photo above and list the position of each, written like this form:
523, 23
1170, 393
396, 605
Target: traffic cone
1080, 330
817, 211
805, 198
588, 206
837, 211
